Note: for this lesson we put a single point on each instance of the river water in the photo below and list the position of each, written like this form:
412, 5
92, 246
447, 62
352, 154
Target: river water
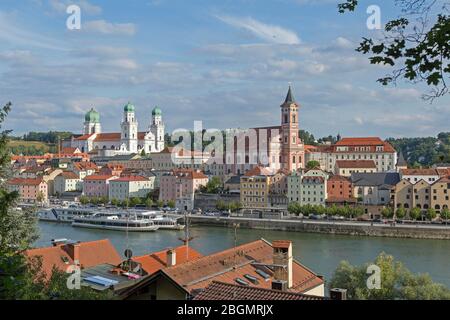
320, 252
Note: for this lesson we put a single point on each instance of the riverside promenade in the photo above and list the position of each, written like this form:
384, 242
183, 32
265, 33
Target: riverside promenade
354, 228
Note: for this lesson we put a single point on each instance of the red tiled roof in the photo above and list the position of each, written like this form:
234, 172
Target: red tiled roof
98, 177
69, 150
131, 178
69, 175
226, 291
258, 171
336, 178
84, 137
189, 173
228, 265
356, 164
443, 172
158, 260
419, 172
25, 182
61, 256
360, 141
112, 136
85, 165
371, 142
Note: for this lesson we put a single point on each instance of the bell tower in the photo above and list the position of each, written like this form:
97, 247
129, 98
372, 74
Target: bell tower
129, 134
292, 148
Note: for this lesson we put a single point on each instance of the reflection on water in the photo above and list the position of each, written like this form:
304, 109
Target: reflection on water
320, 252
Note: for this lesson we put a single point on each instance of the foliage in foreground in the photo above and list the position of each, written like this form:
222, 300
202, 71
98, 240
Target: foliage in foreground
397, 282
21, 278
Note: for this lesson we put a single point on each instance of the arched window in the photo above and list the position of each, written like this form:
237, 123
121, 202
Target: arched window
437, 207
370, 191
360, 190
406, 206
425, 206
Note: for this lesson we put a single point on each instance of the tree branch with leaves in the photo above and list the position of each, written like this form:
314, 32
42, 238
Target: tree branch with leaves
416, 45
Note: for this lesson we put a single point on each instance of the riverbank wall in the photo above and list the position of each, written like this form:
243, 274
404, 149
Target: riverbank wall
339, 228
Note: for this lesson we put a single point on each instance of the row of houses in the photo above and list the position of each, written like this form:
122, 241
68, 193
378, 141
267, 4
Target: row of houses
408, 188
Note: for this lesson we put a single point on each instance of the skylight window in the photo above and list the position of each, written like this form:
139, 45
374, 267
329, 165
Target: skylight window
263, 274
251, 278
241, 282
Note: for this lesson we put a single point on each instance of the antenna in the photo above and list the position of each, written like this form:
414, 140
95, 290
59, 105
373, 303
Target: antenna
187, 236
235, 226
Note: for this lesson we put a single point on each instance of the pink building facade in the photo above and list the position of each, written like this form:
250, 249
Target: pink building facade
30, 190
180, 186
97, 185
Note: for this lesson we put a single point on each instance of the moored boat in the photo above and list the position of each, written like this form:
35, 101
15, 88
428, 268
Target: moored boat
115, 222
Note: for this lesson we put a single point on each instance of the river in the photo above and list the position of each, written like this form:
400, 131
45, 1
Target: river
320, 252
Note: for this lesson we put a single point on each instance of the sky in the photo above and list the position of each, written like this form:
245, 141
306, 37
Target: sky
227, 63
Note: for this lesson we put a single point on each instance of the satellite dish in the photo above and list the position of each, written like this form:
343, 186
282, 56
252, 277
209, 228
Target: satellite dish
128, 253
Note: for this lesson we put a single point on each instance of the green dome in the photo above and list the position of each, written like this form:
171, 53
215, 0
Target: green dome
128, 108
92, 116
156, 111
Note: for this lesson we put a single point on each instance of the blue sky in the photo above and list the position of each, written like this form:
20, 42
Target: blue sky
227, 63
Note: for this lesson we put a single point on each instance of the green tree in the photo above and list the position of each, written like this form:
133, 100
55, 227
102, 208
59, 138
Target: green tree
135, 201
415, 213
445, 213
125, 203
213, 186
312, 164
307, 137
84, 200
400, 213
103, 200
294, 208
171, 204
387, 213
431, 214
40, 198
235, 206
148, 202
160, 203
397, 282
22, 278
416, 44
221, 205
115, 202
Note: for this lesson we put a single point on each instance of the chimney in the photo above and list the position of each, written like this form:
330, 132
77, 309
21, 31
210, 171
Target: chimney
282, 264
73, 249
57, 242
338, 294
171, 257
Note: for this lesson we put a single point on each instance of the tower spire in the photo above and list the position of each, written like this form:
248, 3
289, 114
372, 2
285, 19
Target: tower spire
290, 96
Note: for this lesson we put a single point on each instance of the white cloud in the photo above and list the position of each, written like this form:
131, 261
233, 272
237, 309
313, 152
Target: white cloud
15, 34
60, 6
105, 27
266, 32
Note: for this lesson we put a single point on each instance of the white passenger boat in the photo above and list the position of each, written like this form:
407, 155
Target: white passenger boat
64, 214
164, 222
111, 221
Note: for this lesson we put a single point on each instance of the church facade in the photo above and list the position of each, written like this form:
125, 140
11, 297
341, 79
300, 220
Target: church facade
128, 141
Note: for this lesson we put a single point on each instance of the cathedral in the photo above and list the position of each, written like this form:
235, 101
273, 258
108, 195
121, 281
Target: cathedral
128, 141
